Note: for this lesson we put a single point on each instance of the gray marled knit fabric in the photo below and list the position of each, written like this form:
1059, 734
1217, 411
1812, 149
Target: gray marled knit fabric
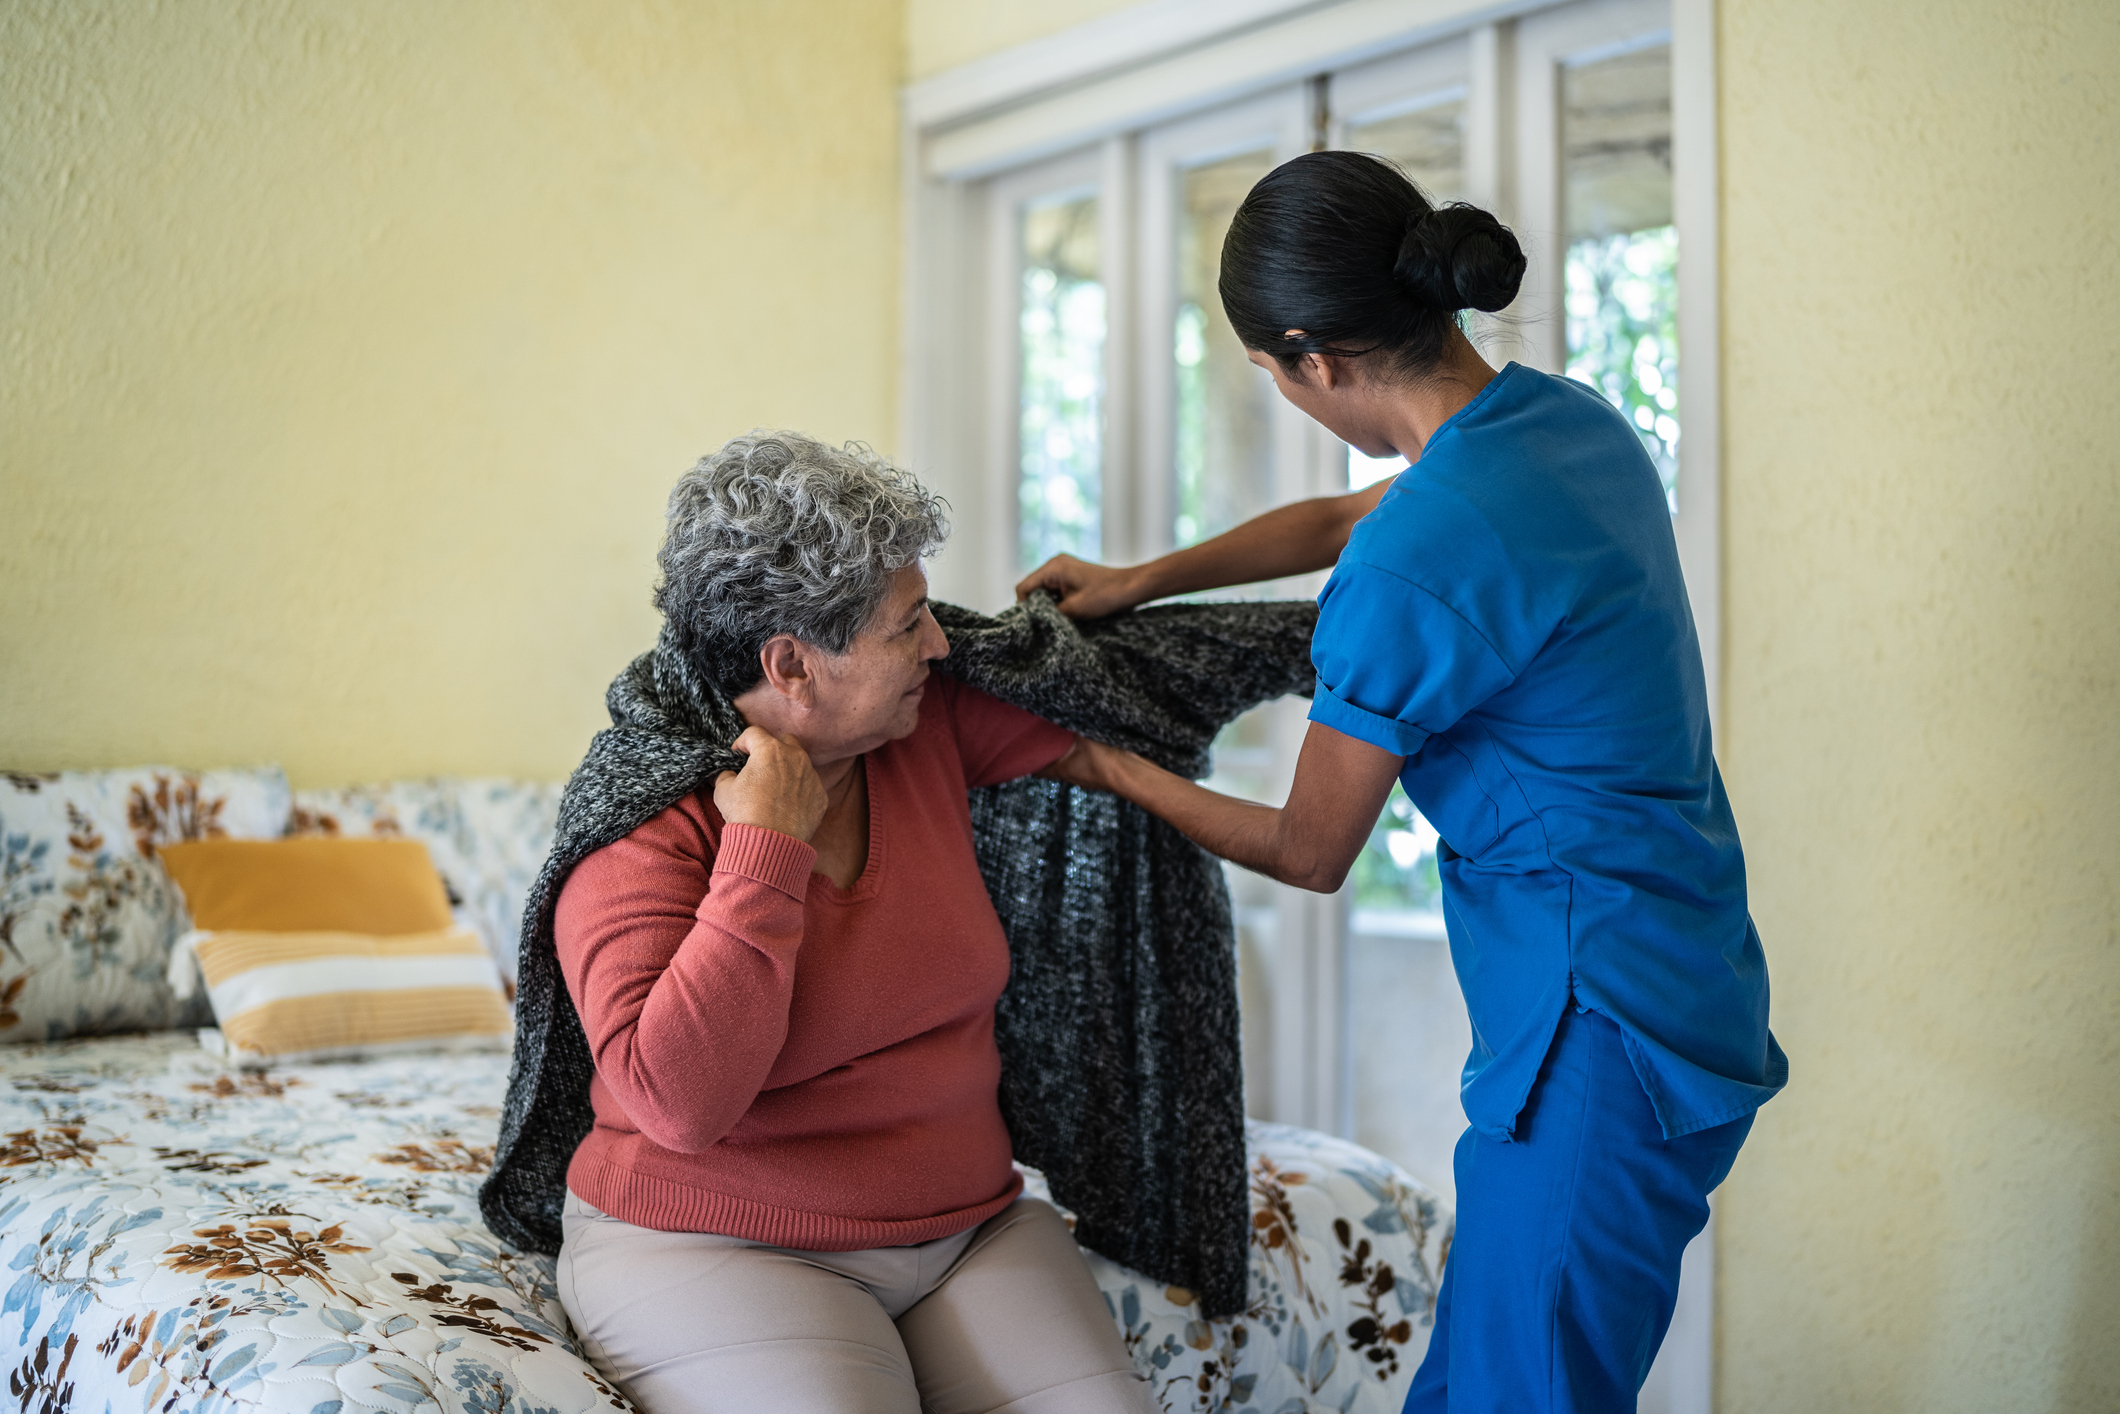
1120, 1059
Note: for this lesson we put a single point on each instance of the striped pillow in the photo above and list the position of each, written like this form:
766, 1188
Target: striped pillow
318, 995
317, 948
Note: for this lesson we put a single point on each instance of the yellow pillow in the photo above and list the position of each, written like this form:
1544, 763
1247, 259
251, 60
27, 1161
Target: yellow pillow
283, 886
315, 948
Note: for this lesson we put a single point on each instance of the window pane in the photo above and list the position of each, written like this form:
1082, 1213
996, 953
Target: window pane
1396, 871
1427, 143
1622, 262
1059, 491
1244, 766
1409, 1036
1224, 452
1406, 1019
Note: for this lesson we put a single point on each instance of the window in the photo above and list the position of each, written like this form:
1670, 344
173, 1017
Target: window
1425, 136
1621, 267
1222, 452
1411, 109
1060, 485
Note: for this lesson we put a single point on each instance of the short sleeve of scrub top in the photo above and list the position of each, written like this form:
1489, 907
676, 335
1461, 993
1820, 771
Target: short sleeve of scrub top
1398, 665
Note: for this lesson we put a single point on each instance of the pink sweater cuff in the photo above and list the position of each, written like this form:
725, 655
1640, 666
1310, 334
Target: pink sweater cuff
768, 856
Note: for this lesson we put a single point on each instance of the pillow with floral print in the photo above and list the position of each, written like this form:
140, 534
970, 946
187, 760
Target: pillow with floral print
87, 914
488, 838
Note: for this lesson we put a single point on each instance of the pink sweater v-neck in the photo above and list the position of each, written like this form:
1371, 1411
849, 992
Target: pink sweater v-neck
785, 1061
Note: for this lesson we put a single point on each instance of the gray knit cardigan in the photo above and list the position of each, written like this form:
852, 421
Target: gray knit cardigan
1120, 1063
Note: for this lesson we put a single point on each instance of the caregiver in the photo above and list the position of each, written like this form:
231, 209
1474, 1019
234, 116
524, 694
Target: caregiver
1506, 632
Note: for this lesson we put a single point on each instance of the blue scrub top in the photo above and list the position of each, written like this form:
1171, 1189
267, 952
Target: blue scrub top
1512, 620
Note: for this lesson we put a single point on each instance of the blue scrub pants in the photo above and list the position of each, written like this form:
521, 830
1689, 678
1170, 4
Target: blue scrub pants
1564, 1270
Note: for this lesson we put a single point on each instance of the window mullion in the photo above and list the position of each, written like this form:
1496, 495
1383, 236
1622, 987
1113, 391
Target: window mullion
1117, 185
1155, 287
1490, 157
999, 510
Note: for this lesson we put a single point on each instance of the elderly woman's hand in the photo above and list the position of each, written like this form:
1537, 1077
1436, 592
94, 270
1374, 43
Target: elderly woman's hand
777, 789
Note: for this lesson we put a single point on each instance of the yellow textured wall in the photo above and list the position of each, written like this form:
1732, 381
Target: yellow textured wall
1921, 331
348, 352
941, 34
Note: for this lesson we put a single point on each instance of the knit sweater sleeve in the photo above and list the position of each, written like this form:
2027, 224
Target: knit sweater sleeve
680, 957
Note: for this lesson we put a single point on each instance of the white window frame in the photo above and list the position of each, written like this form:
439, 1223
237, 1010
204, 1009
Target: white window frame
1276, 119
1080, 96
1080, 174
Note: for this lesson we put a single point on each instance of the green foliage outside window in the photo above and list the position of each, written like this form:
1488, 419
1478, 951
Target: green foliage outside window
1063, 383
1190, 347
1397, 867
1623, 334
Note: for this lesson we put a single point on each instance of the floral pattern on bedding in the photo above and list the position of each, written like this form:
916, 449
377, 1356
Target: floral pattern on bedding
87, 914
488, 838
178, 1238
1346, 1252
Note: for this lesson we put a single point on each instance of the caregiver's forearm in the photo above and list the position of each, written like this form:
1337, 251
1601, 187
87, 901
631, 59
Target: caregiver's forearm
1288, 540
1311, 842
1255, 836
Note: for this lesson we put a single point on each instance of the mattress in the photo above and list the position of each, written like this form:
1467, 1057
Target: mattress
180, 1237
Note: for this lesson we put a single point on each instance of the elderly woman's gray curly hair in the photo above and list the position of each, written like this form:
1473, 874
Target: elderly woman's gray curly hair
778, 533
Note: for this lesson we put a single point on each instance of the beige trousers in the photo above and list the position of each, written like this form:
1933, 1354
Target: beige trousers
1003, 1319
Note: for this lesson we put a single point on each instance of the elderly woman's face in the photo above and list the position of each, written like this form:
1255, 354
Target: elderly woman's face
871, 693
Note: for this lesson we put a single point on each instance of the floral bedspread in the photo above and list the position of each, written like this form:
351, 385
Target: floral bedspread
180, 1238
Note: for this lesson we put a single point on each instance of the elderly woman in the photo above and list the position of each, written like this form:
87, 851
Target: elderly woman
798, 1192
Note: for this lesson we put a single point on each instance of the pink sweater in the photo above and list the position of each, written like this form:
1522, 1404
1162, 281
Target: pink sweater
782, 1060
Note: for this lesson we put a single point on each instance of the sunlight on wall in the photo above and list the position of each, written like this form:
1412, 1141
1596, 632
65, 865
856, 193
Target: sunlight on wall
350, 353
1922, 317
943, 33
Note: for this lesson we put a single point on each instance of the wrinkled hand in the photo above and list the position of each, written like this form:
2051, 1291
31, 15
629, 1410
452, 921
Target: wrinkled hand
777, 789
1088, 763
1084, 590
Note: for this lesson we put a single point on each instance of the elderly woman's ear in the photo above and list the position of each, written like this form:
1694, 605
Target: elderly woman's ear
789, 671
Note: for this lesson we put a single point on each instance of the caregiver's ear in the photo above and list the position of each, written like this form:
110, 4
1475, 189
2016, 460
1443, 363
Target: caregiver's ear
1320, 371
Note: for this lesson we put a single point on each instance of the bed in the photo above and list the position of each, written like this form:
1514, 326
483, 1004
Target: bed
180, 1236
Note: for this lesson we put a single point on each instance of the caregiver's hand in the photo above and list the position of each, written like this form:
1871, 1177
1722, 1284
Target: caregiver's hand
1084, 590
1298, 538
1089, 763
777, 789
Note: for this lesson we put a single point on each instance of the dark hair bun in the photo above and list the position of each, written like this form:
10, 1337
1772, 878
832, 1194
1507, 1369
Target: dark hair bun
1458, 257
1344, 247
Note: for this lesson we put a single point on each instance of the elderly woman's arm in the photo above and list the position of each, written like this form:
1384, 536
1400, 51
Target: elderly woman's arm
681, 957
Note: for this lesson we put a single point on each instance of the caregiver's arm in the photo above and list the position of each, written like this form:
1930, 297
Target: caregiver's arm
1291, 539
1311, 842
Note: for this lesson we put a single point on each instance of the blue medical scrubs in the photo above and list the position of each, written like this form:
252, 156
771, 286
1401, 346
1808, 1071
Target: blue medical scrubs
1512, 620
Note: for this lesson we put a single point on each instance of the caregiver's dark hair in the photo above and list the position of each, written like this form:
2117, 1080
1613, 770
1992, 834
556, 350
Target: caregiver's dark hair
1342, 246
